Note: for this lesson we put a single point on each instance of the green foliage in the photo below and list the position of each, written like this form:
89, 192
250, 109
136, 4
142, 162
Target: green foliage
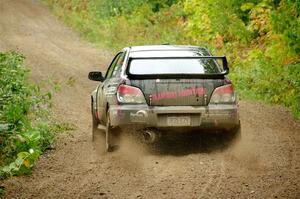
125, 7
124, 23
2, 191
209, 18
261, 38
286, 21
260, 77
114, 8
25, 128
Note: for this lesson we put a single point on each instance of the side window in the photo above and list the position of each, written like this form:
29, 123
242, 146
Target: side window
112, 66
118, 67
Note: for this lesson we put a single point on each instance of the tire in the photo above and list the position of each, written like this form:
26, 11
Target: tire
237, 132
234, 135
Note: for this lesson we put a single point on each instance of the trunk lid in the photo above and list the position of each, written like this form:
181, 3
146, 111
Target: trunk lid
177, 92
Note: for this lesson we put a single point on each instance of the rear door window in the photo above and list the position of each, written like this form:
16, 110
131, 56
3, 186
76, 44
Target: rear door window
118, 67
115, 65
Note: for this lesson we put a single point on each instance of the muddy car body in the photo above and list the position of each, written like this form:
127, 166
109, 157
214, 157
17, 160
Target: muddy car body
164, 87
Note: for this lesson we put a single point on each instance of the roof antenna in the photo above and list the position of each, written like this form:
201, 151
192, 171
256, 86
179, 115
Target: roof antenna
165, 44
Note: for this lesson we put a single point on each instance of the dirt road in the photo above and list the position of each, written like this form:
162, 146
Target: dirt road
265, 163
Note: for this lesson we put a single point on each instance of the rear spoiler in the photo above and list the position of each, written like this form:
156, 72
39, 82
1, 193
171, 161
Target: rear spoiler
172, 76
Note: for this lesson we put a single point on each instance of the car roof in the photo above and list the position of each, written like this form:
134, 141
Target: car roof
163, 47
167, 51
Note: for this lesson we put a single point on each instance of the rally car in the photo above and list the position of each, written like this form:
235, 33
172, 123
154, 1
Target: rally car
151, 88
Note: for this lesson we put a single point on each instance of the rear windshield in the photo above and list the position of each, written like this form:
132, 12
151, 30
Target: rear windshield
173, 66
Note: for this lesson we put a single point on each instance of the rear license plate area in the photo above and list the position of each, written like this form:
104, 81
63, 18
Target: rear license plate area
177, 120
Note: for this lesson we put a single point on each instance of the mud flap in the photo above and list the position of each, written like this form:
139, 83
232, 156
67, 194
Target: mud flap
111, 136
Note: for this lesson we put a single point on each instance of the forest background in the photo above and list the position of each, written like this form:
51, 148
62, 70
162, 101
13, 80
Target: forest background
261, 38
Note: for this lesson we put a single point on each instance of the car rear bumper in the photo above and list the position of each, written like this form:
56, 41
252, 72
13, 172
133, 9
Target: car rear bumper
205, 117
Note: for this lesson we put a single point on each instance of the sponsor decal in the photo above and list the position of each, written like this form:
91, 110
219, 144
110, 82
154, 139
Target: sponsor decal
199, 91
139, 116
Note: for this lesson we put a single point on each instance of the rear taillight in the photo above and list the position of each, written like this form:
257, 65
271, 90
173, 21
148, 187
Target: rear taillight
130, 95
223, 94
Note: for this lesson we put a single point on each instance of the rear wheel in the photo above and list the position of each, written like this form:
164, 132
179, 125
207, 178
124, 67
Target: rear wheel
234, 134
237, 134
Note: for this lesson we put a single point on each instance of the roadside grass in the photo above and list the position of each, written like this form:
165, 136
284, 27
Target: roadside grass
2, 191
27, 127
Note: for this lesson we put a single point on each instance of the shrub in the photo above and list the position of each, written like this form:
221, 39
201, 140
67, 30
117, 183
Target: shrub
25, 126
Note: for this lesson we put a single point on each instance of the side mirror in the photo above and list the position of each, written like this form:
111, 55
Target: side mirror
96, 76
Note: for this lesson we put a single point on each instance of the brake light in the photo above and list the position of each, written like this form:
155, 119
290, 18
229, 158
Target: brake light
130, 94
223, 94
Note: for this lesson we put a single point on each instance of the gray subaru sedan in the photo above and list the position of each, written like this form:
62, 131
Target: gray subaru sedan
152, 88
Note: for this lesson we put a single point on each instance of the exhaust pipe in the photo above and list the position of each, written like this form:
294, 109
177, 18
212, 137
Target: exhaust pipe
150, 136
